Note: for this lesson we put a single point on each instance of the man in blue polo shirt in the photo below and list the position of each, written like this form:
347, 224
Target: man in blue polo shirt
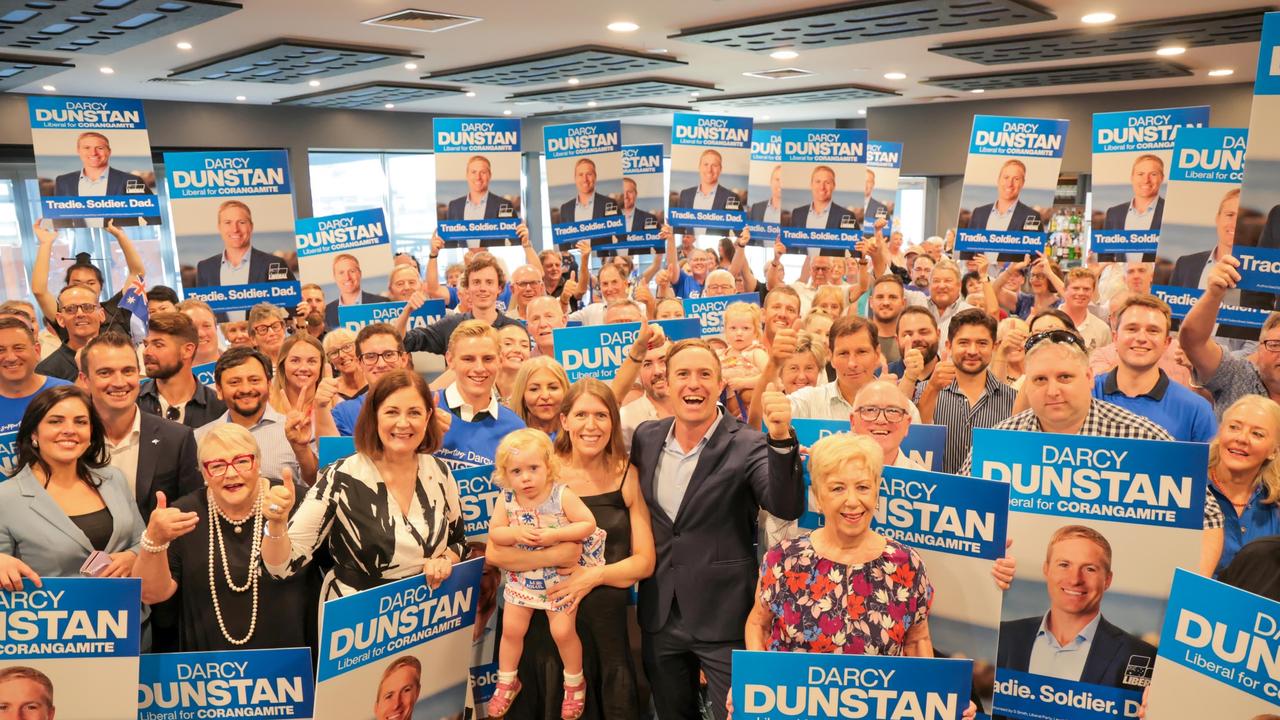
1139, 385
19, 381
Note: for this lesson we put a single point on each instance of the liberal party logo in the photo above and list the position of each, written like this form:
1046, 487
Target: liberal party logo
1137, 672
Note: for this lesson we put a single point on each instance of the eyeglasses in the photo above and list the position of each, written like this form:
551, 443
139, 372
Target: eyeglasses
348, 349
371, 358
527, 283
1058, 337
870, 413
1270, 345
218, 468
265, 329
81, 309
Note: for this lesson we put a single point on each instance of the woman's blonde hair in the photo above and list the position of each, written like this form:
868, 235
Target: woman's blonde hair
1269, 473
542, 362
515, 445
840, 451
834, 292
277, 396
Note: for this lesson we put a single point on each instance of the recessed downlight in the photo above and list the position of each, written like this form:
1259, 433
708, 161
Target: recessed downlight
390, 106
241, 98
784, 54
895, 75
506, 112
574, 81
622, 26
1222, 72
591, 103
184, 45
411, 66
314, 83
471, 93
1171, 50
106, 70
978, 91
1098, 18
49, 88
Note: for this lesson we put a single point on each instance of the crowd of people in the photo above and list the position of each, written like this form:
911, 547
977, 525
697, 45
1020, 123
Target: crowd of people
681, 477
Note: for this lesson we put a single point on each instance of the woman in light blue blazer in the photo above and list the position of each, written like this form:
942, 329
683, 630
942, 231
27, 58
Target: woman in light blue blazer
65, 502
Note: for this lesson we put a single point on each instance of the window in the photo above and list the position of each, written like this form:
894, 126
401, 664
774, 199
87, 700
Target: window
910, 211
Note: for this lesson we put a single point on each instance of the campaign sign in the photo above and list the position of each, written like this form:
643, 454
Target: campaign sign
346, 255
1132, 158
242, 683
765, 215
584, 180
925, 444
78, 636
1092, 508
710, 164
232, 215
93, 161
8, 453
599, 350
1258, 223
204, 372
823, 175
355, 317
1009, 183
1218, 653
880, 196
710, 310
401, 634
478, 186
331, 449
1180, 300
816, 686
478, 495
641, 203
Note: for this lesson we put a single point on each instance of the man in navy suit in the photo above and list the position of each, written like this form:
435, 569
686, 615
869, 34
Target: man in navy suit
97, 178
705, 477
1146, 209
871, 206
1190, 268
587, 204
709, 194
348, 277
1073, 641
637, 220
1271, 230
769, 211
478, 203
1007, 212
235, 225
821, 212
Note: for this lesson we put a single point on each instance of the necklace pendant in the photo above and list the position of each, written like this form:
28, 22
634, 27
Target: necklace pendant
239, 529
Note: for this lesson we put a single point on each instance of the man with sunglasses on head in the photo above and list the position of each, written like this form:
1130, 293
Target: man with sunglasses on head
168, 353
379, 350
80, 314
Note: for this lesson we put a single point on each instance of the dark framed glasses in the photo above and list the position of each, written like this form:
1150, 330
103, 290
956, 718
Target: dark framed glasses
1058, 337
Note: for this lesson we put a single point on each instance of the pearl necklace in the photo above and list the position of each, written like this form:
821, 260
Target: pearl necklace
251, 582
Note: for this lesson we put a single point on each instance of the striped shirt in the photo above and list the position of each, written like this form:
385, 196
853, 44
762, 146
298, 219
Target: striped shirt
953, 410
1107, 420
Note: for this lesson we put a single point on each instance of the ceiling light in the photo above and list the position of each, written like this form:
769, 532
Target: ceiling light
471, 93
390, 106
657, 51
106, 70
49, 88
623, 26
895, 76
1171, 50
1221, 72
184, 45
314, 83
591, 103
506, 112
574, 81
784, 54
241, 98
411, 66
1098, 18
695, 93
862, 111
978, 91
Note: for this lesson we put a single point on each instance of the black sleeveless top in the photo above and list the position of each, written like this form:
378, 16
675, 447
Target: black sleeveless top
96, 526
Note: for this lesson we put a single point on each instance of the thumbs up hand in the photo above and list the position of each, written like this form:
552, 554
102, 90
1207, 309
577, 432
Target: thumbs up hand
785, 341
777, 412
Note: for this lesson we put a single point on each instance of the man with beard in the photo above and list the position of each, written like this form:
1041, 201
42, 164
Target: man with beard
81, 315
243, 380
544, 317
944, 294
379, 350
961, 394
174, 393
921, 269
917, 334
647, 358
348, 276
888, 300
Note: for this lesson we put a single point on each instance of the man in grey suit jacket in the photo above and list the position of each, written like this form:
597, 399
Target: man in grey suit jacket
705, 477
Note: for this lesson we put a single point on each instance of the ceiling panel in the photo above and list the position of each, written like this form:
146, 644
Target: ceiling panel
584, 62
863, 22
291, 61
832, 93
1071, 75
617, 112
1194, 31
101, 27
370, 95
20, 70
618, 91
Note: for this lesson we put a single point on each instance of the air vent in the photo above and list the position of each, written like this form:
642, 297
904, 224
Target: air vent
779, 74
422, 21
172, 81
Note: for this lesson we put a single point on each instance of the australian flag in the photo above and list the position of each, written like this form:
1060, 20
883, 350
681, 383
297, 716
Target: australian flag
133, 299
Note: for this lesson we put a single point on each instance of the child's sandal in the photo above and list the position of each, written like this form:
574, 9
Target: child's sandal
504, 694
575, 701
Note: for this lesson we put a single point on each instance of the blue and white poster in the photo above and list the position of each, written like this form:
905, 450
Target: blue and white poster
710, 310
710, 165
1009, 183
1257, 238
236, 684
232, 215
1084, 514
584, 181
880, 195
73, 645
478, 180
392, 651
765, 214
204, 372
478, 494
598, 350
823, 178
348, 255
1132, 159
93, 161
817, 686
355, 317
925, 444
642, 203
8, 450
331, 449
1218, 654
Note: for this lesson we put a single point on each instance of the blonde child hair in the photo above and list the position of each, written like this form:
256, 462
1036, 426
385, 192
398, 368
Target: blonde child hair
519, 442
